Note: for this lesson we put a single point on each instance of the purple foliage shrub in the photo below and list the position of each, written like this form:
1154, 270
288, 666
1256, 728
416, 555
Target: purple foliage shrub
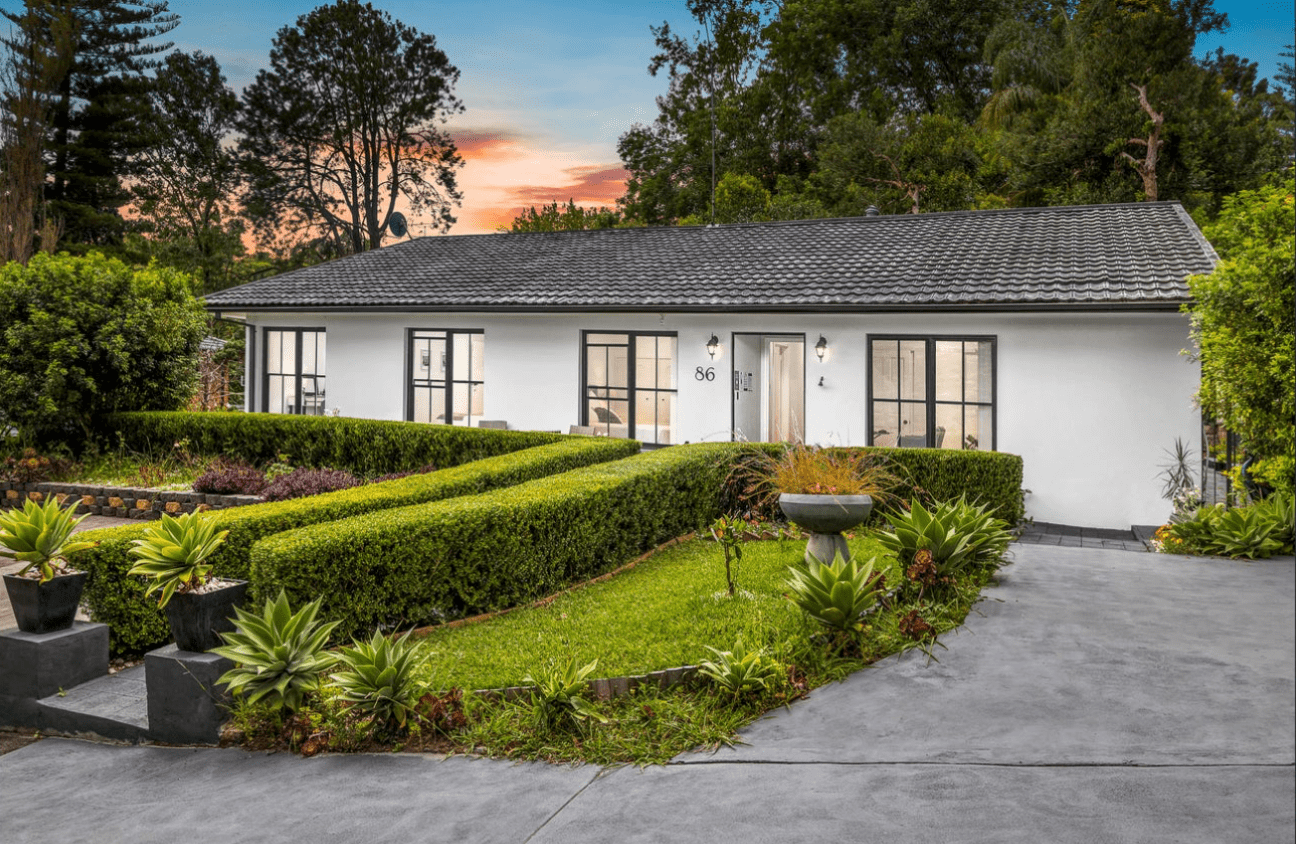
302, 482
230, 477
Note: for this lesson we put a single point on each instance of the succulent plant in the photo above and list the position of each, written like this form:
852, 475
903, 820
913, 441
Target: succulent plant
38, 536
172, 552
278, 654
382, 678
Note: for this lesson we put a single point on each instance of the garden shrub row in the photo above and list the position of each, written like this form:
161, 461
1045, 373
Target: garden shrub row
365, 447
117, 600
450, 559
989, 478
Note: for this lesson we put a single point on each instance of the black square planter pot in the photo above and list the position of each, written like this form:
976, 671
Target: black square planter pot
45, 607
198, 618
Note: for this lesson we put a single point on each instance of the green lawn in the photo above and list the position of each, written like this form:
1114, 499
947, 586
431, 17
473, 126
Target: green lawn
659, 614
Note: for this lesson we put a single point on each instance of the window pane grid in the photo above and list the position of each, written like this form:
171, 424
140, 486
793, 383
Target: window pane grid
447, 376
931, 392
630, 385
294, 371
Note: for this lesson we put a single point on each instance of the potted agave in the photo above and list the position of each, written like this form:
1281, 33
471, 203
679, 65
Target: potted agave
46, 592
199, 607
826, 493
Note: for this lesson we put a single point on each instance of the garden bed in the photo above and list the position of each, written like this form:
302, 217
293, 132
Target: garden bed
664, 611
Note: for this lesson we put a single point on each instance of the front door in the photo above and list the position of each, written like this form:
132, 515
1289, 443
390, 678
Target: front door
768, 387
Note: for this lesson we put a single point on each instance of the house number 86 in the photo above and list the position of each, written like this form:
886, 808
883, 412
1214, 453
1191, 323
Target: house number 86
707, 374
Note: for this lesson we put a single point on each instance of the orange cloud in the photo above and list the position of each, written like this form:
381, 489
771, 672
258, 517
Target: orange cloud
479, 144
594, 183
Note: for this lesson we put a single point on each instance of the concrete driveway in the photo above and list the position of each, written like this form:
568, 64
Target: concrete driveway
1097, 696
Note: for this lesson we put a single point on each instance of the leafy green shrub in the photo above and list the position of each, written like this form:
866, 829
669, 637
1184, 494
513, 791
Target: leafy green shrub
742, 671
366, 447
486, 552
173, 554
87, 336
1254, 532
957, 534
38, 535
135, 624
557, 699
278, 655
836, 594
990, 478
383, 679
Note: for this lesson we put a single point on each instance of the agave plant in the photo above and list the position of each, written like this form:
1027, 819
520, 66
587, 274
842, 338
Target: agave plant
1245, 532
383, 678
742, 671
557, 698
958, 535
172, 552
38, 536
278, 654
836, 594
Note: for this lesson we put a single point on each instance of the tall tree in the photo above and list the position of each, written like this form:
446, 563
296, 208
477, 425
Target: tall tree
344, 123
36, 58
97, 126
1107, 103
187, 178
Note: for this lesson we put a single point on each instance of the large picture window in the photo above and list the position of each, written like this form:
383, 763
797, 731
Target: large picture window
629, 385
294, 371
447, 383
932, 392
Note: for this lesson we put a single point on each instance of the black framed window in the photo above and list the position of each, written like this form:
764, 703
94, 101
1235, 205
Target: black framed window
932, 392
294, 371
447, 376
628, 384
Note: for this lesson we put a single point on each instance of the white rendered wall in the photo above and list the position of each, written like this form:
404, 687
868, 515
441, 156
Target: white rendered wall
1090, 401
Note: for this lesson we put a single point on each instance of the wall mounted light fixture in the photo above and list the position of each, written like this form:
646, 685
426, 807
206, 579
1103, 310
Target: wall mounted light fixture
713, 346
821, 348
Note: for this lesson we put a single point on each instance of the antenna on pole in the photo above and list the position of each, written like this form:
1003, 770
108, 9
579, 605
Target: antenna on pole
711, 79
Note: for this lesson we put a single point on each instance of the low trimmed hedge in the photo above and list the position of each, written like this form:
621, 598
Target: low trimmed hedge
135, 623
990, 478
450, 559
367, 447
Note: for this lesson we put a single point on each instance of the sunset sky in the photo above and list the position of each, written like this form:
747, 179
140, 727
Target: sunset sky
549, 85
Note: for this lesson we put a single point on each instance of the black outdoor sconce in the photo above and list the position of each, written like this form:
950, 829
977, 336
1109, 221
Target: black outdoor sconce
821, 348
713, 346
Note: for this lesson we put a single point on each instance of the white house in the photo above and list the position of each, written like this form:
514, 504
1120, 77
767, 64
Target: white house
1053, 333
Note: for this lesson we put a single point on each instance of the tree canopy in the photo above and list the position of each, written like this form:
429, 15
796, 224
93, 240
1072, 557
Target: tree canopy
346, 121
1244, 325
915, 105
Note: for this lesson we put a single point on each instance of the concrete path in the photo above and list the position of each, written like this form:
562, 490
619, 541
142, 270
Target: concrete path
1098, 696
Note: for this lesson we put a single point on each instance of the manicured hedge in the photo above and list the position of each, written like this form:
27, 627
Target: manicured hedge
449, 559
986, 477
990, 478
116, 599
367, 447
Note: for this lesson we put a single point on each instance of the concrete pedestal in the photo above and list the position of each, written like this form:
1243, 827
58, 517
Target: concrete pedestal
38, 665
185, 705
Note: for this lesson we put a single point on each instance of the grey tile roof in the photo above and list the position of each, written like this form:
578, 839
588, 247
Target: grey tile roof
1103, 256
